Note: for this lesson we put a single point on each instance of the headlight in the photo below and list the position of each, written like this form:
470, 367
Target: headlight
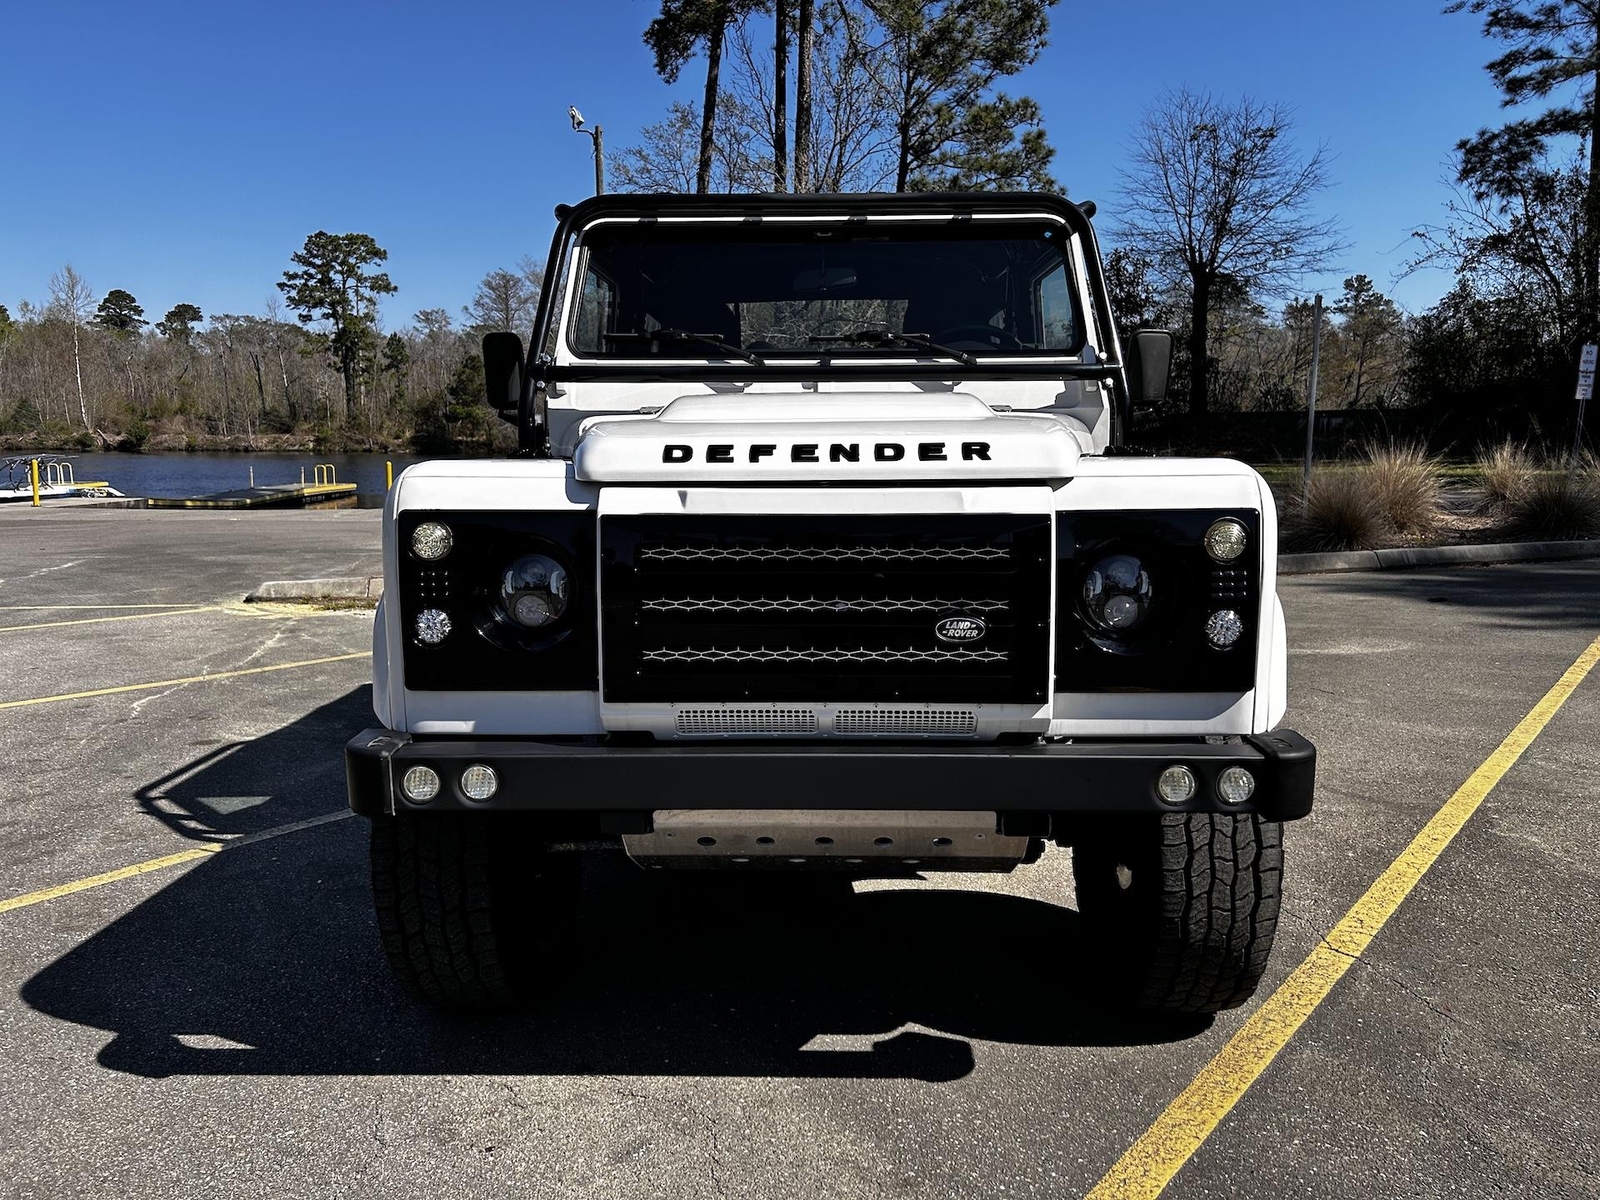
1117, 593
431, 541
534, 591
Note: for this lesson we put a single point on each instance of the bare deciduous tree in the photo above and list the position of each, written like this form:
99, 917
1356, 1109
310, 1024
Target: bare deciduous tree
1216, 192
73, 301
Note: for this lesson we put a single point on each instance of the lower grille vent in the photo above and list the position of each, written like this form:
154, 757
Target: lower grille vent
708, 722
785, 654
908, 722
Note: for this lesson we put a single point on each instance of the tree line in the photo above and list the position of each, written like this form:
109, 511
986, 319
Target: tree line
316, 367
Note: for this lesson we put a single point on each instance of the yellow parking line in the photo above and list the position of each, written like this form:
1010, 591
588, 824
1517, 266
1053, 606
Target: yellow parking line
94, 881
160, 864
1151, 1162
160, 683
90, 607
171, 612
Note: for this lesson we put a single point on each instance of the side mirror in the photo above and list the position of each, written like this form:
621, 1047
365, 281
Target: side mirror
502, 370
1149, 367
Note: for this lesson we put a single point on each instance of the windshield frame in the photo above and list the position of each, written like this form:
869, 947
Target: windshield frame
832, 352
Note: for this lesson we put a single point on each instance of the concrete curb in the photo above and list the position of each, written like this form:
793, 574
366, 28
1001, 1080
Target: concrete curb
1433, 556
360, 587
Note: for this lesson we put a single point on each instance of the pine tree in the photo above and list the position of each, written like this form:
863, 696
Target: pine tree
335, 285
120, 313
1552, 54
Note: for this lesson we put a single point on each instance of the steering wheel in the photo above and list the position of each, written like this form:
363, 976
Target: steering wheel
989, 335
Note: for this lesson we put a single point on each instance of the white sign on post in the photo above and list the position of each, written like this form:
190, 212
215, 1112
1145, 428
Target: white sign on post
1586, 364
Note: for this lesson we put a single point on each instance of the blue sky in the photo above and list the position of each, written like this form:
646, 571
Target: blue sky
184, 151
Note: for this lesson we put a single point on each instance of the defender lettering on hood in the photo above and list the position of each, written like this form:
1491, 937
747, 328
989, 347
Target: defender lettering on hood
837, 452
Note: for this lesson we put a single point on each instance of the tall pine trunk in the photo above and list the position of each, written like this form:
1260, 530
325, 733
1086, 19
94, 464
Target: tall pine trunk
802, 99
1199, 318
780, 97
708, 114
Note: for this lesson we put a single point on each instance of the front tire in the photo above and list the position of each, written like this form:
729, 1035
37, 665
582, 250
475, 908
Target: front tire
1181, 908
453, 894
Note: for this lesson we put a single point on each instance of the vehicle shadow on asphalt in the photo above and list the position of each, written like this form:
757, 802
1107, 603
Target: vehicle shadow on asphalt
265, 960
1516, 595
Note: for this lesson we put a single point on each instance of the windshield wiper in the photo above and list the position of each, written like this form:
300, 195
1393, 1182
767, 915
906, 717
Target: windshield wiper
883, 337
683, 335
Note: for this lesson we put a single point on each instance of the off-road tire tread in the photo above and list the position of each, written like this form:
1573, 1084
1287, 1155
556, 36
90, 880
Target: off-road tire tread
431, 890
1198, 939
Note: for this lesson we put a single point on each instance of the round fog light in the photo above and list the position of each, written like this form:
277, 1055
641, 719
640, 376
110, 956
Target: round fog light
1225, 540
1224, 628
432, 626
478, 782
431, 541
1176, 785
1235, 785
420, 784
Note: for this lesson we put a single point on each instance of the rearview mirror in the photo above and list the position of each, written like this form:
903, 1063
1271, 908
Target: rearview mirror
1149, 367
502, 370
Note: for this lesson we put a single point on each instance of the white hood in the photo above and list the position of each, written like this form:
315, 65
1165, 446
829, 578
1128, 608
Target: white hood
837, 436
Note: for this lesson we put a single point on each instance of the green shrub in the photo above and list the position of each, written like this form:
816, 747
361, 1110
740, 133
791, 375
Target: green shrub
1405, 483
1338, 511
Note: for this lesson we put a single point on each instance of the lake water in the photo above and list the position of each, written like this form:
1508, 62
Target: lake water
184, 475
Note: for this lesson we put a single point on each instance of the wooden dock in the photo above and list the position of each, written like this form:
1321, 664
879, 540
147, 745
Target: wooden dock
324, 488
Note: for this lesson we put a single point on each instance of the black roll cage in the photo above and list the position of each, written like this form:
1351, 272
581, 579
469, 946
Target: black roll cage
540, 371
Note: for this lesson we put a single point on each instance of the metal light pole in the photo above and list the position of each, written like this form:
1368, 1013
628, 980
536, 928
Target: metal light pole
1311, 390
598, 134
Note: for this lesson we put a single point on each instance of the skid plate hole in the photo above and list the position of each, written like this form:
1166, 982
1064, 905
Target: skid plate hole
824, 841
706, 841
883, 841
942, 842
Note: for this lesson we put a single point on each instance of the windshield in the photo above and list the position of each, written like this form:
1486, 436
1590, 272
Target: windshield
766, 289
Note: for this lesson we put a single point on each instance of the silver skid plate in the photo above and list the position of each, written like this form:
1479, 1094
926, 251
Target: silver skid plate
797, 839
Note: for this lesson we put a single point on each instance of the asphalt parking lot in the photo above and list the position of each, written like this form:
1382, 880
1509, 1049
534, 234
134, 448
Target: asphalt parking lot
223, 1024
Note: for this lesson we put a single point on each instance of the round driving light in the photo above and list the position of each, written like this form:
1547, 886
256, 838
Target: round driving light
1225, 540
1224, 628
432, 626
478, 782
420, 784
534, 591
1235, 785
431, 541
1176, 785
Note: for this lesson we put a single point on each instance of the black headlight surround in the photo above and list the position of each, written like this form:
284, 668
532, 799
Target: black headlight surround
487, 650
1168, 651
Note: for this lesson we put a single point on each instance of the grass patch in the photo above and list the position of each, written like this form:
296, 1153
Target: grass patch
1504, 474
1337, 512
1556, 506
1404, 480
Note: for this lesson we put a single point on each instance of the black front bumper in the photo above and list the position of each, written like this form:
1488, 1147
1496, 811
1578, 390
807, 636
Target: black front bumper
593, 776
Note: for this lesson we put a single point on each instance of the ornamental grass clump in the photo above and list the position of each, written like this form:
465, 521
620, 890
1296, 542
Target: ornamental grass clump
1337, 511
1556, 505
1404, 481
1505, 471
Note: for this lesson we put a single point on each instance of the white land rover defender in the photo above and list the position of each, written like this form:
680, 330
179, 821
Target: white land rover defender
823, 552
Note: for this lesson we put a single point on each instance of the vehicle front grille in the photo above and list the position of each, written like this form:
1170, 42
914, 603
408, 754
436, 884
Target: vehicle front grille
825, 608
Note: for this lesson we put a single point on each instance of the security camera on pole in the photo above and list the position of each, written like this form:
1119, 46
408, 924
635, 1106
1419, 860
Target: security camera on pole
599, 153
